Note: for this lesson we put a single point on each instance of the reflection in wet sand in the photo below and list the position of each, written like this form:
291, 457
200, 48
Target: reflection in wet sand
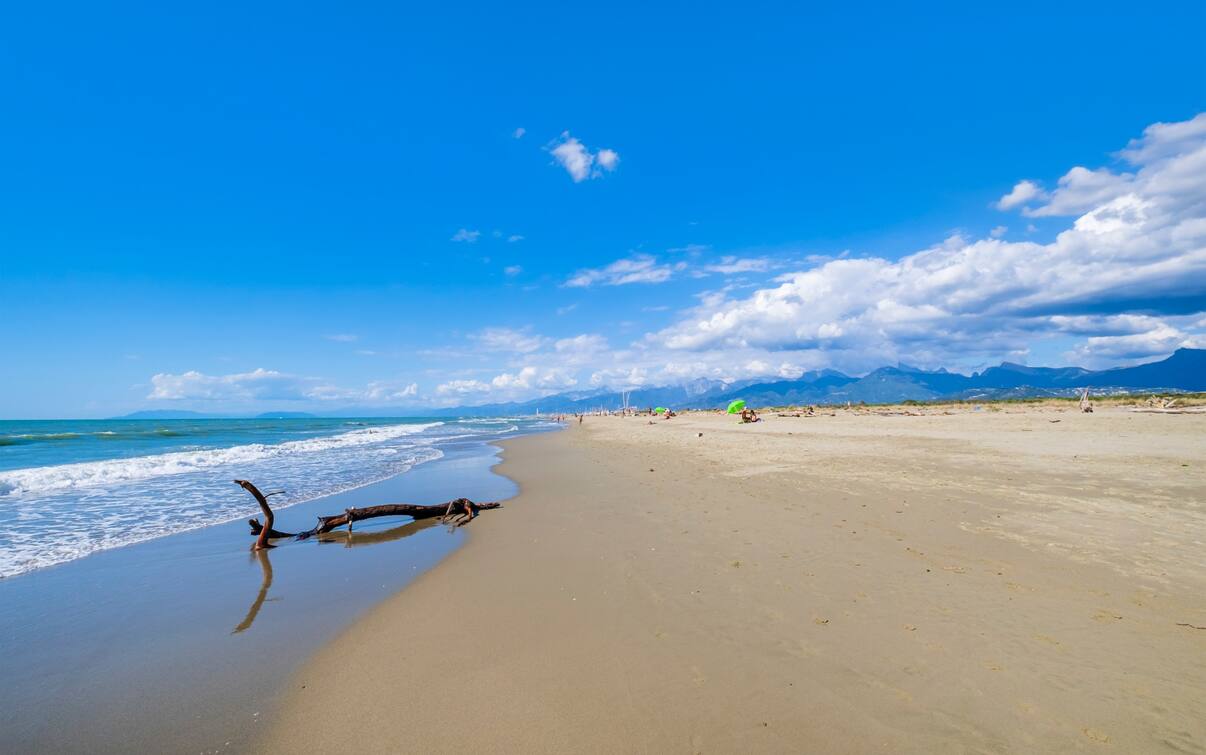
266, 567
349, 540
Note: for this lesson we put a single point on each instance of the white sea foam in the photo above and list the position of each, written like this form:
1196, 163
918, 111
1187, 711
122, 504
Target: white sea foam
99, 473
53, 514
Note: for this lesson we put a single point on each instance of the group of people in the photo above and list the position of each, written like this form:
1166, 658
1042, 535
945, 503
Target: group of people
749, 415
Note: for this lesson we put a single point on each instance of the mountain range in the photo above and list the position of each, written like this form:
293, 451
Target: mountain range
1183, 371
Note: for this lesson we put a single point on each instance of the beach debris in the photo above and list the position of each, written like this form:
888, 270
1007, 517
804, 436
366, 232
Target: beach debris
459, 510
1085, 406
1191, 626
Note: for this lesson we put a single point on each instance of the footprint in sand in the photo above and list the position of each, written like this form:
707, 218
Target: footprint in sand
1095, 735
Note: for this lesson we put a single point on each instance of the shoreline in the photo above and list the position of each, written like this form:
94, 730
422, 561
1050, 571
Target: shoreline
973, 582
191, 651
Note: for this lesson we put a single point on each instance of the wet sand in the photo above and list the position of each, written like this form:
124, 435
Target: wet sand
975, 582
182, 644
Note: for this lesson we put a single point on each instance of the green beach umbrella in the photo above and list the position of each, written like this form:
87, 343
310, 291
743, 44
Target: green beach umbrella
736, 406
660, 410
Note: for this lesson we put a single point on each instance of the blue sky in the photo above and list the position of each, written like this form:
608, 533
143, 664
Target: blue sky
232, 208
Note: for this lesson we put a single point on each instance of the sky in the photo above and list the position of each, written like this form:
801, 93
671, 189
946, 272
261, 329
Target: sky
249, 207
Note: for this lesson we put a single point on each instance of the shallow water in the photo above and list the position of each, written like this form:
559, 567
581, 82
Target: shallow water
182, 643
70, 488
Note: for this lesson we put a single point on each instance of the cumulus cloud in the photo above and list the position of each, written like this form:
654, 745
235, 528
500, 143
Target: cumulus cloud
639, 268
467, 236
1138, 245
607, 159
579, 161
1022, 192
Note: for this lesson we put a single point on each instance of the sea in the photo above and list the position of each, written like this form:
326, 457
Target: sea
71, 488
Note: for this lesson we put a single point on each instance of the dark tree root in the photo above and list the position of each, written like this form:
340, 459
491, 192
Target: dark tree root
460, 511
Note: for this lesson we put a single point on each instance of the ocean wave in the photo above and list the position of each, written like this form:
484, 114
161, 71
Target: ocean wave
62, 477
70, 526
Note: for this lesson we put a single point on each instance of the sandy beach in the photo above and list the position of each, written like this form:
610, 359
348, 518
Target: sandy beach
1017, 580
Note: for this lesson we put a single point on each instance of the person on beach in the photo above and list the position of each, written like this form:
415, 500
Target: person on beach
749, 415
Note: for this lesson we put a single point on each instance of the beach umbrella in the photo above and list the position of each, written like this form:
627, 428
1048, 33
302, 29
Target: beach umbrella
736, 406
660, 410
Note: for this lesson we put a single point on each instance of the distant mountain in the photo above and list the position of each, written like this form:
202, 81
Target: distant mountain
1185, 370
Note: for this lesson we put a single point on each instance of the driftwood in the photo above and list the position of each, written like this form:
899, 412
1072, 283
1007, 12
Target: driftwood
460, 510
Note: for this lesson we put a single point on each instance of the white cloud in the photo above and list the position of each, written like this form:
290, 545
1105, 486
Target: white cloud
1080, 190
1022, 192
519, 132
467, 236
512, 270
260, 385
998, 232
1139, 246
532, 377
639, 268
382, 391
343, 337
508, 340
579, 161
462, 388
607, 159
513, 238
734, 265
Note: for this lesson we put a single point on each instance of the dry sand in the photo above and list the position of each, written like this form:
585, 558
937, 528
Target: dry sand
975, 582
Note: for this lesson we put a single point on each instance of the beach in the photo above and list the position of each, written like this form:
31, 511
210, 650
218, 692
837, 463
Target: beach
998, 578
182, 643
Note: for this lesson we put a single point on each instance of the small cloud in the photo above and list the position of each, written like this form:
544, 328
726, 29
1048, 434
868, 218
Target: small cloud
513, 238
734, 265
343, 337
580, 162
998, 232
508, 340
567, 309
512, 270
462, 387
607, 159
519, 132
1021, 193
640, 268
466, 236
366, 352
